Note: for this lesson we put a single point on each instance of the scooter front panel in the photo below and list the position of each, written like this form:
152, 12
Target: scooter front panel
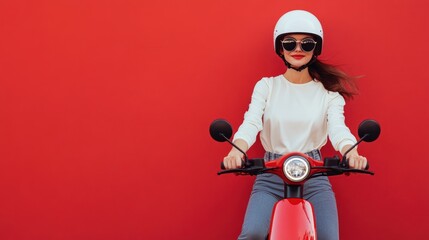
293, 219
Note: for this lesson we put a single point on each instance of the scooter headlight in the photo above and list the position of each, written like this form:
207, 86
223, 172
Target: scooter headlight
296, 168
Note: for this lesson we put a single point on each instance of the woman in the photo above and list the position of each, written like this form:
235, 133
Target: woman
296, 111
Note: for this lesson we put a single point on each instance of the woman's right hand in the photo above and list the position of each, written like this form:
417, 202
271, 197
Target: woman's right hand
235, 157
233, 160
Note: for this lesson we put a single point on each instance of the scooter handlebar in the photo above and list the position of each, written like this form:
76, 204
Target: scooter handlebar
257, 166
250, 167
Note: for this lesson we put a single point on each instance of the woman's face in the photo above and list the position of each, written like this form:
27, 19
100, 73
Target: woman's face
298, 49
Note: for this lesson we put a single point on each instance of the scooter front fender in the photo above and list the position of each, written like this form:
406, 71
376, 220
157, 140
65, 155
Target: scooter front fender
293, 219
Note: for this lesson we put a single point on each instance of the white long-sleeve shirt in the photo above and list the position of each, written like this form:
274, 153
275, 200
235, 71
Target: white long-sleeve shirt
294, 117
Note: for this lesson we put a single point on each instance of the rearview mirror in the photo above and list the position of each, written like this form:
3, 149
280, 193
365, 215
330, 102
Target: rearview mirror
220, 130
369, 130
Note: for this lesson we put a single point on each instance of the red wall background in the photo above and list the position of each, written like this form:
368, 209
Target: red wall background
105, 108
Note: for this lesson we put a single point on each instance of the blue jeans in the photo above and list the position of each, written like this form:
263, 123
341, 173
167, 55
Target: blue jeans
269, 189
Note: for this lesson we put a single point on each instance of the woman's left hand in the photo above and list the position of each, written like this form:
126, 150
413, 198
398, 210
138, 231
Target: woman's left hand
356, 161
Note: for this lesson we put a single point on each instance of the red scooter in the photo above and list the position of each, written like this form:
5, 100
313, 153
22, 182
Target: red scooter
293, 217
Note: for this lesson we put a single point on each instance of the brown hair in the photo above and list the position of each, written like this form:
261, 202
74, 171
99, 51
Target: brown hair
333, 79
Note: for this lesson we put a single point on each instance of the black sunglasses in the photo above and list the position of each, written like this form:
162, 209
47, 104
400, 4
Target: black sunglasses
306, 44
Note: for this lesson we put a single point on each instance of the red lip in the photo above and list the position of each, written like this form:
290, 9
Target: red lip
298, 57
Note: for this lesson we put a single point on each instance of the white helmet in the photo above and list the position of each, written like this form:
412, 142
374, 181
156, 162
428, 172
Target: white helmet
298, 21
